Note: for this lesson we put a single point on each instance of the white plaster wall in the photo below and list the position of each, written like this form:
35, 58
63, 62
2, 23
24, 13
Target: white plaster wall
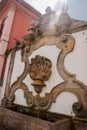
75, 62
64, 103
18, 67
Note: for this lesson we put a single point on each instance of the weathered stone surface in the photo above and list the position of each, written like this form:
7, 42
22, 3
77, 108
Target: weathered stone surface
10, 120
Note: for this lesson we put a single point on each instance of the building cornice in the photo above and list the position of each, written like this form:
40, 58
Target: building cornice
29, 7
4, 3
80, 26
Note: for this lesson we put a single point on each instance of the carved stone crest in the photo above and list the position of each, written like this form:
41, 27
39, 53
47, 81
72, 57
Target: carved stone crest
39, 71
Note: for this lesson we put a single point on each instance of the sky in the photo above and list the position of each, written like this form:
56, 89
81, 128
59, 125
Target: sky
77, 8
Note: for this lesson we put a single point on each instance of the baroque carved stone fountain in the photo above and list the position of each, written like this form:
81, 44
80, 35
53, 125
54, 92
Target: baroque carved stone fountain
13, 116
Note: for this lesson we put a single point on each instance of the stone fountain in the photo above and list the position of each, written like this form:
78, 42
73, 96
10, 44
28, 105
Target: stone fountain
49, 30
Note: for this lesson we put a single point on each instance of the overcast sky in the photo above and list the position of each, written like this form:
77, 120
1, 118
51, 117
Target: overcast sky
77, 8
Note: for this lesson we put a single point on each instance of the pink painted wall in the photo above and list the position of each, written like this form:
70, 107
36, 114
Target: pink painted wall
21, 24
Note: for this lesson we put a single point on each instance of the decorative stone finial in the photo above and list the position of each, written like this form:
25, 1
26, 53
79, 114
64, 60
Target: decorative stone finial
48, 9
65, 8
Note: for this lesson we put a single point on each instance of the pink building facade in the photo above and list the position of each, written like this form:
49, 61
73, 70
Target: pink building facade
15, 19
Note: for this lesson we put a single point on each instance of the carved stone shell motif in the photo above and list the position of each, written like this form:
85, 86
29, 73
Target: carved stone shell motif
40, 69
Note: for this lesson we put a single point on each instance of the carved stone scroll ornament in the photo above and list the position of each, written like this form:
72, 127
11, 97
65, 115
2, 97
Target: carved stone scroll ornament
71, 84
